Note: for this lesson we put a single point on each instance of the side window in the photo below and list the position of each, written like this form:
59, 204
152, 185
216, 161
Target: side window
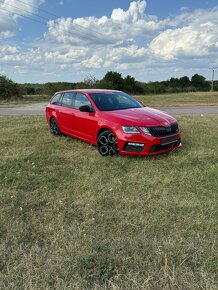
56, 99
81, 100
68, 99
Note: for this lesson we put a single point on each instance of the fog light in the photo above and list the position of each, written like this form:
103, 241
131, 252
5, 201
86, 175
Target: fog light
134, 147
136, 144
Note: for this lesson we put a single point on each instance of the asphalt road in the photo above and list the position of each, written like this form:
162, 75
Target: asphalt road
39, 109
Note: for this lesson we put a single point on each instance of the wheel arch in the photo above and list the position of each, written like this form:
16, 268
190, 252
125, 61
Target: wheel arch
106, 146
53, 116
103, 129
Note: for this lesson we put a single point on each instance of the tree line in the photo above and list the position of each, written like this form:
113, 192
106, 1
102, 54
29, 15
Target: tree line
111, 80
9, 89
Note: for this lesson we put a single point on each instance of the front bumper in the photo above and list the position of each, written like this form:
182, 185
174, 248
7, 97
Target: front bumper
141, 144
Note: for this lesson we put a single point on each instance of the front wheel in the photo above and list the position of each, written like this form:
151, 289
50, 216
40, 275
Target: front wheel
54, 127
107, 144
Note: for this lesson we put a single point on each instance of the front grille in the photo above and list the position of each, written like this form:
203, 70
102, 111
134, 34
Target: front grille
159, 147
158, 131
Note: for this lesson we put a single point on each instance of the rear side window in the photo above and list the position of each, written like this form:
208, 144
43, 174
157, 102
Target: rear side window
68, 100
81, 100
56, 99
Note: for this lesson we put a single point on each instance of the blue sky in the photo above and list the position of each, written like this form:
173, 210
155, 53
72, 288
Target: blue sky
69, 40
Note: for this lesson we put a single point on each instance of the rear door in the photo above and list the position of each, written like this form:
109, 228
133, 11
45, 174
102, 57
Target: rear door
53, 108
66, 113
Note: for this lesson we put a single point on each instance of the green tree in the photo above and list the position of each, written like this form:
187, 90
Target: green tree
184, 82
30, 91
199, 82
90, 81
112, 80
130, 85
174, 82
9, 89
51, 88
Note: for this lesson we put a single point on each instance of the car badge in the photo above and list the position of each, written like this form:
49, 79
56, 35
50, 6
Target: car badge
166, 124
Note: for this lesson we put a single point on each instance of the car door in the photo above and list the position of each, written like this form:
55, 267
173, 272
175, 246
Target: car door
66, 113
85, 122
52, 108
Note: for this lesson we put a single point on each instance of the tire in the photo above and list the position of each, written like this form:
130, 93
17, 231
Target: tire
54, 127
107, 144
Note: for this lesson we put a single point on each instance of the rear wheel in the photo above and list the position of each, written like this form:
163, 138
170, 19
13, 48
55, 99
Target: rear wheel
54, 127
107, 144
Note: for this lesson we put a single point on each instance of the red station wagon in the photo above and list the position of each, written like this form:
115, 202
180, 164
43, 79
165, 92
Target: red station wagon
114, 121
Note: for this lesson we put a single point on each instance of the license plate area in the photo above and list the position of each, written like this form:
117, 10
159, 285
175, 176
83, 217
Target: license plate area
168, 140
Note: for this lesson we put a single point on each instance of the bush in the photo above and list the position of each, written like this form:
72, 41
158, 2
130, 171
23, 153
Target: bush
51, 88
9, 89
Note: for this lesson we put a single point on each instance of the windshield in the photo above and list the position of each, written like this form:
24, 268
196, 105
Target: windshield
114, 101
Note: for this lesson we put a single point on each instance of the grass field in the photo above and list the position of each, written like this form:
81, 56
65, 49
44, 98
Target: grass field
71, 219
179, 99
29, 99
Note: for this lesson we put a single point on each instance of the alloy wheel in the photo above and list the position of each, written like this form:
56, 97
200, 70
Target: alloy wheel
107, 144
54, 127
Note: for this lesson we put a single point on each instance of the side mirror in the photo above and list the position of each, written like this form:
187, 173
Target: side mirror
86, 108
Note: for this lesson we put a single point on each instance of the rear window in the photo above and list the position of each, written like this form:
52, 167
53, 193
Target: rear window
56, 99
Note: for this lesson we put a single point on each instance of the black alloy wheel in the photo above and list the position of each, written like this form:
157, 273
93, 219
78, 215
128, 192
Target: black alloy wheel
54, 127
107, 144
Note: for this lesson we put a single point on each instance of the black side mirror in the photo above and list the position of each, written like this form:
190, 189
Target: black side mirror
86, 108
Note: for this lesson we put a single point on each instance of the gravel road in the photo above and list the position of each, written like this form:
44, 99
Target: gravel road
39, 109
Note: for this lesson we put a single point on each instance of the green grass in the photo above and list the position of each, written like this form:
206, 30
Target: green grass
180, 99
71, 219
27, 99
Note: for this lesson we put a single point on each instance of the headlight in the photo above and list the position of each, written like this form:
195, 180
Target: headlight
145, 130
130, 130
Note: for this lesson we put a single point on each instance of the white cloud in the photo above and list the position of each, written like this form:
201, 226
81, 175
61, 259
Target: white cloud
184, 8
113, 41
27, 6
15, 55
106, 30
7, 25
93, 62
135, 13
198, 17
125, 55
129, 41
9, 16
185, 42
196, 38
72, 55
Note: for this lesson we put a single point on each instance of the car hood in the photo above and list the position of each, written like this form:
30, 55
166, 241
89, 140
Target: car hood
140, 117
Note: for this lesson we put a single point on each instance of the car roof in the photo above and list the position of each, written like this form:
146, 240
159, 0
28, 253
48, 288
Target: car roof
88, 91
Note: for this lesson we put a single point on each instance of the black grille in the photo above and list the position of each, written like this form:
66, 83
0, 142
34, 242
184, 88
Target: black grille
163, 131
159, 147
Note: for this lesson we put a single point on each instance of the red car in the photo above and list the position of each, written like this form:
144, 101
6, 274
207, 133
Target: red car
114, 121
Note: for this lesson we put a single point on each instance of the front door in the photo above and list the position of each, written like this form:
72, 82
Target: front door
85, 123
